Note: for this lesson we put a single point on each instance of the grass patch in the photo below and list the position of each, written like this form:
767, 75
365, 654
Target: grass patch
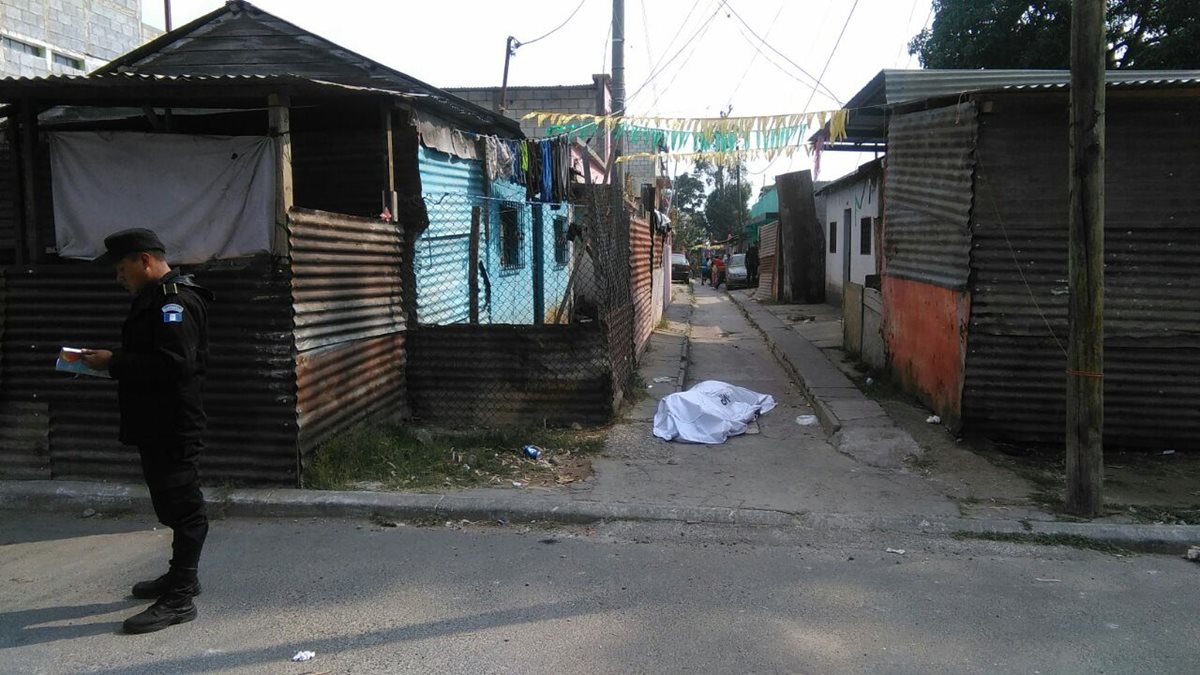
404, 458
1069, 540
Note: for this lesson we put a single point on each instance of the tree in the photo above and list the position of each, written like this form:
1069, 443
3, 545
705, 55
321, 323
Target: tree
709, 201
1037, 34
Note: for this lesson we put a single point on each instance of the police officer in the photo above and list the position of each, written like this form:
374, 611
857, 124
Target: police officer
160, 371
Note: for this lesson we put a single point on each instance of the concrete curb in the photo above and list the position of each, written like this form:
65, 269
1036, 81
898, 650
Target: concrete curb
855, 423
73, 496
685, 350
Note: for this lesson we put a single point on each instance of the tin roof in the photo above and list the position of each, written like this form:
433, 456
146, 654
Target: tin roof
868, 117
240, 40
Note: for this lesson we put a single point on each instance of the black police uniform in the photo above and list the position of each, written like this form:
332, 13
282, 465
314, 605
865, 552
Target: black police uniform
160, 372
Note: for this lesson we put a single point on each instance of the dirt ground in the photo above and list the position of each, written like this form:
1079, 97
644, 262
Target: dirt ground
993, 479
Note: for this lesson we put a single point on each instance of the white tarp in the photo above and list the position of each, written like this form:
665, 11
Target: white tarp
709, 412
206, 197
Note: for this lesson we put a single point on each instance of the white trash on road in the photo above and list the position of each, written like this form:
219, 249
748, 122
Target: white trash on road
709, 412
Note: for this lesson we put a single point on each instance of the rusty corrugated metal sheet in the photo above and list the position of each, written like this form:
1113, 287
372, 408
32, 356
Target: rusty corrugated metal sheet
343, 385
507, 374
641, 241
347, 291
931, 162
346, 278
1015, 379
249, 395
768, 261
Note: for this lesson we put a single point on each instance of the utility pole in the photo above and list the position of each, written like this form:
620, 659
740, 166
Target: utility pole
618, 95
1085, 359
167, 15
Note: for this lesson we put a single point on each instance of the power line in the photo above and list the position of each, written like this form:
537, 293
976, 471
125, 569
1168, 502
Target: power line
797, 66
831, 54
757, 52
807, 84
674, 37
655, 74
695, 45
572, 16
649, 56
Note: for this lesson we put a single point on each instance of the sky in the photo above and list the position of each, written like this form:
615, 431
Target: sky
702, 57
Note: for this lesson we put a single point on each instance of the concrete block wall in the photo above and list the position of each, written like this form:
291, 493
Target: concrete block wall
577, 99
94, 31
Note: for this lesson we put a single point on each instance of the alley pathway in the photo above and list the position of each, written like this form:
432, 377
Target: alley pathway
785, 467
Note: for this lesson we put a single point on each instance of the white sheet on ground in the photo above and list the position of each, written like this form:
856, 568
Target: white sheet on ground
709, 412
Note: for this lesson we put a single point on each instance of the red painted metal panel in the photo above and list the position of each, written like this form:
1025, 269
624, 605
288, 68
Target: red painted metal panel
925, 329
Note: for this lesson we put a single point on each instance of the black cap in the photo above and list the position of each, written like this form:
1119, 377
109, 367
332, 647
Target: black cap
126, 242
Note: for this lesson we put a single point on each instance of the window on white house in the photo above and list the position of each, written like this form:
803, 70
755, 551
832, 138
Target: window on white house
864, 246
833, 237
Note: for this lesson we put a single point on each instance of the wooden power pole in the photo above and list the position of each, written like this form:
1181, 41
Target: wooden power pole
1085, 360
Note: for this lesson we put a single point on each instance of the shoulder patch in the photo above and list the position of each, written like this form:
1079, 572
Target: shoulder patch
172, 313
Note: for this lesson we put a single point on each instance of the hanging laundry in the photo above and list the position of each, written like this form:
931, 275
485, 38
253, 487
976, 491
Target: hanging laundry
547, 182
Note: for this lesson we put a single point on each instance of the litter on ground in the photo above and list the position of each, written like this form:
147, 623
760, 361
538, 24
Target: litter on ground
664, 378
710, 412
933, 419
304, 656
807, 420
897, 551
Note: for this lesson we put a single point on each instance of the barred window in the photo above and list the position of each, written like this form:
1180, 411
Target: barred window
510, 234
560, 240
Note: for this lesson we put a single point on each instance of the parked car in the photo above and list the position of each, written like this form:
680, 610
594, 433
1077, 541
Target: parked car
681, 269
736, 275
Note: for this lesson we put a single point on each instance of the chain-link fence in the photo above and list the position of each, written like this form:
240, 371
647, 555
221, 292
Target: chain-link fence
523, 310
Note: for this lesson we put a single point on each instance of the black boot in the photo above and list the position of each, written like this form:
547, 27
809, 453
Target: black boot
169, 610
156, 588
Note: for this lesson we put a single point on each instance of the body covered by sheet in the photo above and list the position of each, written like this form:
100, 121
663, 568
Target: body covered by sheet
709, 412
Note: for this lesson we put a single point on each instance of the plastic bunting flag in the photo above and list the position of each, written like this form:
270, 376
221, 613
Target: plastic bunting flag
723, 140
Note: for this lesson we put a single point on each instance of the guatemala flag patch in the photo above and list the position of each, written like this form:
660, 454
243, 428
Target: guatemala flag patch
172, 313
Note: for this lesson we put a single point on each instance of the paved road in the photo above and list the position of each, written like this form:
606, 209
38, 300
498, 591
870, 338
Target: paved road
613, 599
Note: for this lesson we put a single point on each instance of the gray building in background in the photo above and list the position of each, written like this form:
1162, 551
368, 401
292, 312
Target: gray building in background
591, 99
67, 37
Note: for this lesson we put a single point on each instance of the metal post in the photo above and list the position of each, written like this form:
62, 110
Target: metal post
167, 15
618, 96
1085, 360
510, 48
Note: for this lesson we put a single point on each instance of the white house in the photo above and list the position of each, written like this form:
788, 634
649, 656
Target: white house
852, 228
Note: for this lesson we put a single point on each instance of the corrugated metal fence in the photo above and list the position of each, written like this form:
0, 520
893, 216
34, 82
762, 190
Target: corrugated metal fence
71, 422
768, 262
1015, 387
350, 321
930, 167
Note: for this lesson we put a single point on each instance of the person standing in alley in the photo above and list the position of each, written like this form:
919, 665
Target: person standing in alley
160, 370
752, 265
705, 270
718, 271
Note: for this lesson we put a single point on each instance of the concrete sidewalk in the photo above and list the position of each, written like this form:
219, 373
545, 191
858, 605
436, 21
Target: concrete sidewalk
846, 473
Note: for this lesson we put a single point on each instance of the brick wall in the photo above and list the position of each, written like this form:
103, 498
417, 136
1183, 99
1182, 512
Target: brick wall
93, 31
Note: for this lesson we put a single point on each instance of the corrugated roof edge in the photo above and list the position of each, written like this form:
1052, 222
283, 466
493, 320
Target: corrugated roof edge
874, 166
232, 6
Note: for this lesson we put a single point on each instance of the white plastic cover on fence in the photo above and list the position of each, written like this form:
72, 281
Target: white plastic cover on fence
709, 412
